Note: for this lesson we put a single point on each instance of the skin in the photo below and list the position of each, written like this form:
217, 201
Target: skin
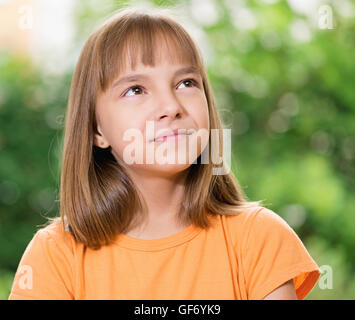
169, 101
284, 292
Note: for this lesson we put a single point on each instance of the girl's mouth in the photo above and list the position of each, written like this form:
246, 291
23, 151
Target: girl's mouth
174, 137
177, 134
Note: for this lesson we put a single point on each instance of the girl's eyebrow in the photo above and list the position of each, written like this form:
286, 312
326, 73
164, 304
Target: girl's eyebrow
141, 76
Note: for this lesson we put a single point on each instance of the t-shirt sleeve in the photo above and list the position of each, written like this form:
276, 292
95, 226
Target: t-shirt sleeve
274, 254
44, 272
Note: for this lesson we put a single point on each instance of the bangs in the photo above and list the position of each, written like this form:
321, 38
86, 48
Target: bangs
146, 40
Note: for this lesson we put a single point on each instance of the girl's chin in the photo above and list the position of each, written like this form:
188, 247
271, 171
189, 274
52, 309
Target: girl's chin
160, 168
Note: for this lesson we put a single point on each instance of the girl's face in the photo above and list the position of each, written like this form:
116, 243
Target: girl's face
154, 101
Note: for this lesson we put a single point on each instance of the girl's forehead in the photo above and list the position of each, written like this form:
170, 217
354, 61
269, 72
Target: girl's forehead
165, 62
136, 50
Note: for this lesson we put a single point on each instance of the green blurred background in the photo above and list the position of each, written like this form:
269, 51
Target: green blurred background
283, 76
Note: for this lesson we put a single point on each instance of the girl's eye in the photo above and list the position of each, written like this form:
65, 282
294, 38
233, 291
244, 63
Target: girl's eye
192, 82
137, 89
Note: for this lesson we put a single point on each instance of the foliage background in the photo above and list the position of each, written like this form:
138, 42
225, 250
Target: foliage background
284, 86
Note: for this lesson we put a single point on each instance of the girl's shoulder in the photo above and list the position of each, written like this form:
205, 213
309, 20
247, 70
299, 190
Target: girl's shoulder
55, 232
245, 217
257, 222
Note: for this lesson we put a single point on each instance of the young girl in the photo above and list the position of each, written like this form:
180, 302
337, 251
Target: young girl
153, 230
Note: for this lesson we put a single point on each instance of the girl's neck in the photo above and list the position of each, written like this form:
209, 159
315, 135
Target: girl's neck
163, 195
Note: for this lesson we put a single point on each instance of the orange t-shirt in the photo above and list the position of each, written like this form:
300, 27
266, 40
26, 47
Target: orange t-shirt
245, 256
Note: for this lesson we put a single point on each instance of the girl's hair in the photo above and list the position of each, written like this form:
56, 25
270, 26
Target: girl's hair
98, 200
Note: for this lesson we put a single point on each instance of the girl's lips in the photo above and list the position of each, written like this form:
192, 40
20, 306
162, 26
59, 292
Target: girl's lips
176, 134
174, 137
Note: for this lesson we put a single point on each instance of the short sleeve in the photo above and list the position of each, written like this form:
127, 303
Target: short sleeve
44, 272
273, 254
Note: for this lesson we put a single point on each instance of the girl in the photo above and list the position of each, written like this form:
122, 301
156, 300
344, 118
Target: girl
153, 230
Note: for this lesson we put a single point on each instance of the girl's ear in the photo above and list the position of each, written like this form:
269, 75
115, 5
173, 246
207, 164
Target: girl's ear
99, 139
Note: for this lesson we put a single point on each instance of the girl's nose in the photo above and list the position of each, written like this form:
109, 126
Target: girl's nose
168, 106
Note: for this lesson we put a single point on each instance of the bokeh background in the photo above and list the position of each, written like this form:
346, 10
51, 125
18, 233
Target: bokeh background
283, 76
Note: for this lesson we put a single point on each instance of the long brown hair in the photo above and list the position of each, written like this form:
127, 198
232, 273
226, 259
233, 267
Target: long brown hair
98, 200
